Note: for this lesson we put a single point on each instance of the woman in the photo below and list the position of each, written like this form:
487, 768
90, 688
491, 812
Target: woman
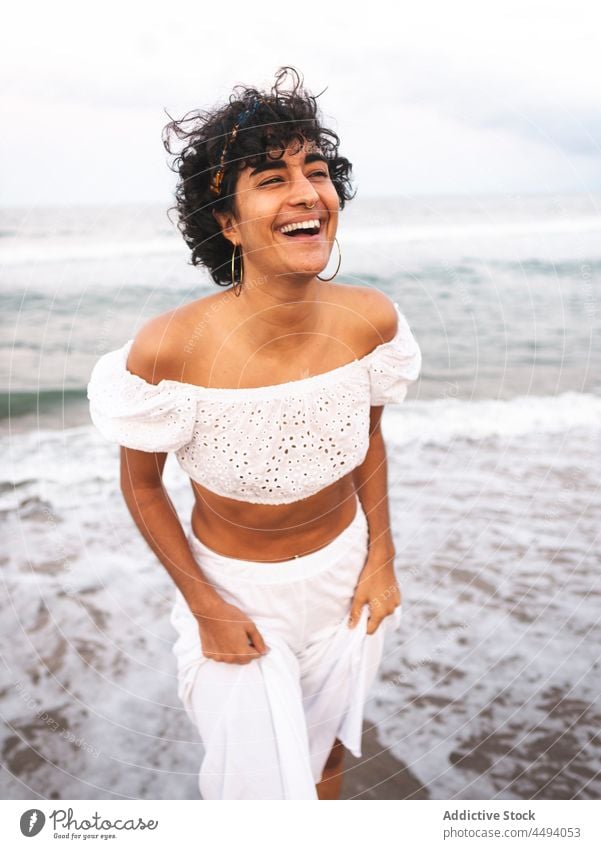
271, 396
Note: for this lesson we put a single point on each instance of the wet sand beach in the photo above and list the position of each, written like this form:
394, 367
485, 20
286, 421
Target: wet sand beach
489, 689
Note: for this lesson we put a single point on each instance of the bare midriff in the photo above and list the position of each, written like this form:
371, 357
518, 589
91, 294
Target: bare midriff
273, 532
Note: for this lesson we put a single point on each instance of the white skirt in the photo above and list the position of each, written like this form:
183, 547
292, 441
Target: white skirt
268, 726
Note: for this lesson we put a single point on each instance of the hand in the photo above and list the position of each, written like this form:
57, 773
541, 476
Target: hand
229, 636
377, 586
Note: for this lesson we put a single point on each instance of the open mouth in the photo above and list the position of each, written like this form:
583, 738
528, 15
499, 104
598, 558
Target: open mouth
302, 232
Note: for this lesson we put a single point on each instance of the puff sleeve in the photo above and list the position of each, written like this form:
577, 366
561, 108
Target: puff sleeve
394, 365
136, 414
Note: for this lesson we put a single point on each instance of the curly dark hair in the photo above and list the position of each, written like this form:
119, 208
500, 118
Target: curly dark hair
282, 117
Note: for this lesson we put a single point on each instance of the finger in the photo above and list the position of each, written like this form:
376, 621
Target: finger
242, 657
355, 612
373, 624
257, 640
247, 657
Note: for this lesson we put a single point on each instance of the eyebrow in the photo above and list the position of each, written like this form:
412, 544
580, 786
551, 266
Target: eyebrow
269, 164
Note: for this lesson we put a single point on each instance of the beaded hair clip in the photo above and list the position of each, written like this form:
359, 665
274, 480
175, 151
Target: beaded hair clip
242, 118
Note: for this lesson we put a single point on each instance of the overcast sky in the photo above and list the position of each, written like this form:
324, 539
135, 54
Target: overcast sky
428, 97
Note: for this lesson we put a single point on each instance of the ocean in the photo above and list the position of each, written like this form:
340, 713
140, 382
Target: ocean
490, 688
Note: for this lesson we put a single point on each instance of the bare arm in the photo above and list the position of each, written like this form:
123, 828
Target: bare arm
225, 630
151, 357
155, 516
377, 585
371, 483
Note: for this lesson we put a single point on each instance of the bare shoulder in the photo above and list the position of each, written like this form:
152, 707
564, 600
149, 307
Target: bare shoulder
162, 345
376, 313
152, 349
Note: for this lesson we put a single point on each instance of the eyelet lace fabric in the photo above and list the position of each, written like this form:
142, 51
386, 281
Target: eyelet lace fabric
271, 444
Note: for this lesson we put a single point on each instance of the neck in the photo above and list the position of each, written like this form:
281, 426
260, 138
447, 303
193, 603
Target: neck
281, 307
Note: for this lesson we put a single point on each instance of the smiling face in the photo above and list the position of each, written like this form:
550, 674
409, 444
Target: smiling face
294, 188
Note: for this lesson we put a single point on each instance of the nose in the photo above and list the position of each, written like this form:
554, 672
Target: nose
302, 190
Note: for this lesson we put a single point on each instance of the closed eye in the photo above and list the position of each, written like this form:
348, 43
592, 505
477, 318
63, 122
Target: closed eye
313, 174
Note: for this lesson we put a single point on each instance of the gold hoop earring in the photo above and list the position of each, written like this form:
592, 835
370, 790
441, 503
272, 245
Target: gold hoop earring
325, 279
239, 289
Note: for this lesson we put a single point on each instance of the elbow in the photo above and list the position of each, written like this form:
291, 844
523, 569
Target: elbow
141, 475
139, 496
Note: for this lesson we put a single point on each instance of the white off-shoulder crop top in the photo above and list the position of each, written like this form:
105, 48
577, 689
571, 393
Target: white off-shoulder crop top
271, 444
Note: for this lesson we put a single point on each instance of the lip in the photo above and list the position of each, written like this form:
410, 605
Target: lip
316, 237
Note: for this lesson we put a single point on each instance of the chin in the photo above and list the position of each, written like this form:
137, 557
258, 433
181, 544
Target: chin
316, 266
308, 271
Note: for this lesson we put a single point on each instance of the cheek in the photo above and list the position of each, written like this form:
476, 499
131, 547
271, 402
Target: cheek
253, 219
261, 213
330, 198
250, 211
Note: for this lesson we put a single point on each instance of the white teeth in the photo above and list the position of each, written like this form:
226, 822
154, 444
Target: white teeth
300, 225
